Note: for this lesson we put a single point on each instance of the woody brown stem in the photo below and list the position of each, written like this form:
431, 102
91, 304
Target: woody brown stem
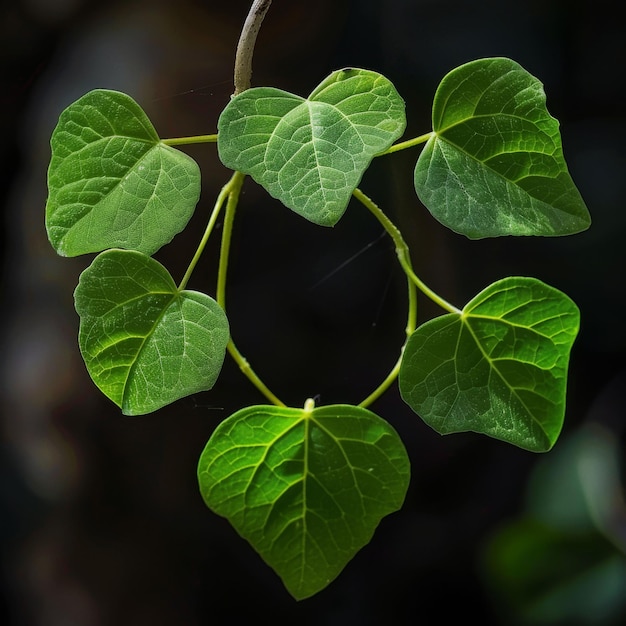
245, 47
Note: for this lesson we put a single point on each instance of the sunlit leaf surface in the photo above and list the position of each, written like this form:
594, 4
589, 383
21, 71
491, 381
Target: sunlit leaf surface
498, 368
112, 183
306, 487
311, 153
145, 343
494, 165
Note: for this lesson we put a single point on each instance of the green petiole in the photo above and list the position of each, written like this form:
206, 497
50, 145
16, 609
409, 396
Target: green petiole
185, 141
402, 250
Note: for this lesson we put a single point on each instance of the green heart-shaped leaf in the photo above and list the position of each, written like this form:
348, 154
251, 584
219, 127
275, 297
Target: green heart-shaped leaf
494, 165
306, 487
145, 343
498, 368
112, 183
311, 153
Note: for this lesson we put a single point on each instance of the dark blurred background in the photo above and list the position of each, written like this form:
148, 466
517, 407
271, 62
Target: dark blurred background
101, 522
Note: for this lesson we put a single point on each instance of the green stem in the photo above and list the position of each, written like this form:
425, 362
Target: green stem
251, 375
436, 298
393, 374
184, 141
233, 190
411, 322
219, 203
403, 145
402, 250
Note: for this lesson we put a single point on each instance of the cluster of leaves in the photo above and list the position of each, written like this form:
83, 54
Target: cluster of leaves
308, 486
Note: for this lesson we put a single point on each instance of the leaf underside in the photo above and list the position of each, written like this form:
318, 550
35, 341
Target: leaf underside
306, 488
112, 183
498, 368
311, 153
144, 342
494, 165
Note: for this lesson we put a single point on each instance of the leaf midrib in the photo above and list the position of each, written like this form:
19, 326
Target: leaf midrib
464, 322
157, 146
152, 145
441, 131
175, 296
508, 181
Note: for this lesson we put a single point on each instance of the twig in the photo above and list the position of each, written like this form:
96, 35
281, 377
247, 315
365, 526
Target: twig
245, 47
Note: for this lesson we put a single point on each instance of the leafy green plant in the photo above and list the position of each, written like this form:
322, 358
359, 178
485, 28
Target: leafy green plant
308, 486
